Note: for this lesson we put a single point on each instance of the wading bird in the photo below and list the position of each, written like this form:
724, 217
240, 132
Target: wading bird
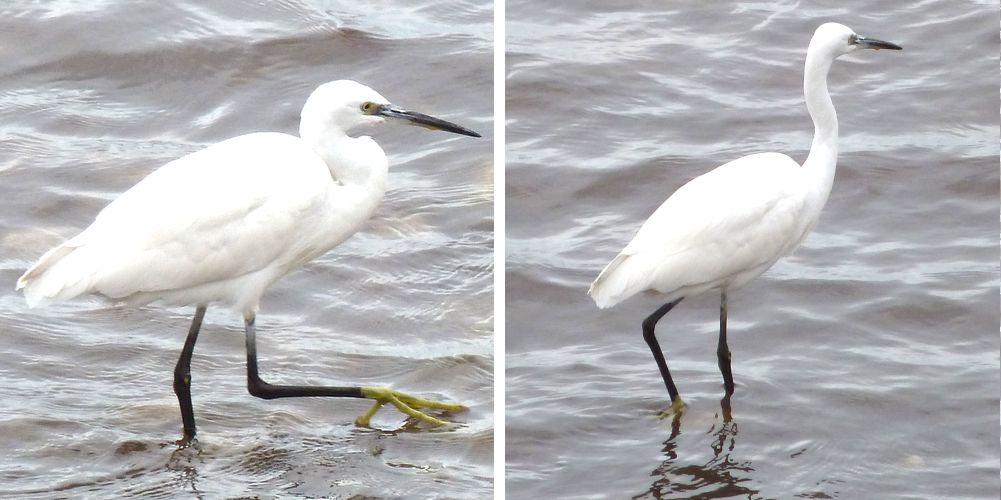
726, 227
222, 224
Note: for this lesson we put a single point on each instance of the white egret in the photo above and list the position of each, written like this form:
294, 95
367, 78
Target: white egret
222, 224
726, 227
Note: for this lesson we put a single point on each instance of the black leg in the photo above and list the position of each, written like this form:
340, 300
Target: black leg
722, 350
264, 390
182, 378
651, 339
381, 395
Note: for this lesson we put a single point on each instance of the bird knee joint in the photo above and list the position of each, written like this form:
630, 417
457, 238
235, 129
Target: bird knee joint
648, 326
260, 389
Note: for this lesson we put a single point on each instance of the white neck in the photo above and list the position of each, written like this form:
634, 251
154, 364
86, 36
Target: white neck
358, 170
822, 161
342, 154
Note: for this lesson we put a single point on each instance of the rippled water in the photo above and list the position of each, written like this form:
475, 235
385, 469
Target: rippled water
94, 96
866, 363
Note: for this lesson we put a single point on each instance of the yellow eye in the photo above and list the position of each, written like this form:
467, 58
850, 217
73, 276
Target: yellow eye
369, 107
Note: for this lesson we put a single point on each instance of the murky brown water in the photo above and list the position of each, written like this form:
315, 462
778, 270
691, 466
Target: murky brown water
866, 363
94, 96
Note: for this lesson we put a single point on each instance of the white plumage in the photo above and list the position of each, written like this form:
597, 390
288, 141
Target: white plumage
720, 230
222, 224
726, 227
218, 225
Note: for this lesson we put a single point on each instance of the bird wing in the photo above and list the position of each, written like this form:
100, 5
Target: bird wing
214, 214
737, 218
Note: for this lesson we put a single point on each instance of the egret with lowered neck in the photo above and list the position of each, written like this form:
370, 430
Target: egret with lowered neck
726, 227
222, 224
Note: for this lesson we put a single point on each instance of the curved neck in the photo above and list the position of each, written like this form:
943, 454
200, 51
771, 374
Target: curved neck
353, 161
823, 156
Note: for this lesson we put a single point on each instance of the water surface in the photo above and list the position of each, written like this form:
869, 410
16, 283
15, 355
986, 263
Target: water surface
94, 96
866, 363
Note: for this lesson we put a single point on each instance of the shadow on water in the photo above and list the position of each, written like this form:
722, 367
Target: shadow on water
720, 477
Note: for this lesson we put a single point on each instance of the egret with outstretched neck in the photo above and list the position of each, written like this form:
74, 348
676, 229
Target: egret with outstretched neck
222, 224
726, 227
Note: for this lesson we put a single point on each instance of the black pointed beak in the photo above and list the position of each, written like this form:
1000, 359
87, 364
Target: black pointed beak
422, 120
872, 43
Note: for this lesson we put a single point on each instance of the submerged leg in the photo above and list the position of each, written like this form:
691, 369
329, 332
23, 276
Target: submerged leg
651, 339
382, 395
182, 378
722, 350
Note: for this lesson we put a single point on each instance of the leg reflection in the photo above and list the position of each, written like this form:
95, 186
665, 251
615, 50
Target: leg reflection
727, 430
725, 474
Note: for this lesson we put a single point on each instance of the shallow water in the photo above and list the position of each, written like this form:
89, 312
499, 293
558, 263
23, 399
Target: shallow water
866, 363
94, 96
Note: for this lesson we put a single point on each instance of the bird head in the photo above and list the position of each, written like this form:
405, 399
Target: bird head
347, 105
835, 40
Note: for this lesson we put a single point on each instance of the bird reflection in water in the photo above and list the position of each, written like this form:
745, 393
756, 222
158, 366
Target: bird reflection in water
721, 476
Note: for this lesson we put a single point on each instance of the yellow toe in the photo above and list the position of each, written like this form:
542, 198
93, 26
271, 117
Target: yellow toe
677, 408
405, 403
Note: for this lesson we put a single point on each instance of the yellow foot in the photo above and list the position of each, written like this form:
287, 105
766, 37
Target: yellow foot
677, 407
403, 402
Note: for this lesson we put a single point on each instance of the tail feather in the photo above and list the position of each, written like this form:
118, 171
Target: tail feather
616, 282
58, 275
